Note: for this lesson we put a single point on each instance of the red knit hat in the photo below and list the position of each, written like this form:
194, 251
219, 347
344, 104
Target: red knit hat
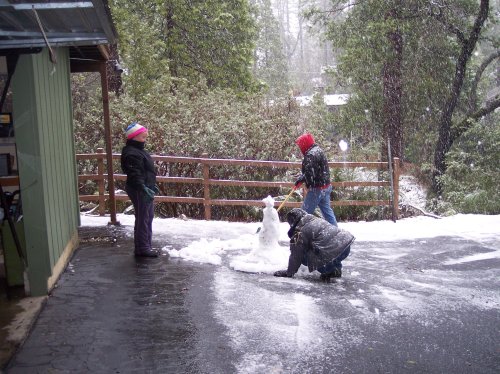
304, 142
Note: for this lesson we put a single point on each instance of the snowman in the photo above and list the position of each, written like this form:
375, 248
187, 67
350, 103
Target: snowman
269, 233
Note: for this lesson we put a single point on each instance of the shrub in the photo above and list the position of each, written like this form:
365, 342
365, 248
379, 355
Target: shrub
192, 121
472, 177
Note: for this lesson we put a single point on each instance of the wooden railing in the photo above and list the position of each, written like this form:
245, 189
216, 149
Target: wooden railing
206, 182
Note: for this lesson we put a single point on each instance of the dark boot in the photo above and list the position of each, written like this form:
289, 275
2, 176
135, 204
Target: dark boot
337, 273
146, 253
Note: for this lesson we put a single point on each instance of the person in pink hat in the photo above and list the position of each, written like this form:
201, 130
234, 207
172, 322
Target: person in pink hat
140, 186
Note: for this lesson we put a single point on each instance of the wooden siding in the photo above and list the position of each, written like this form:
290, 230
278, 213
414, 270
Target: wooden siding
47, 167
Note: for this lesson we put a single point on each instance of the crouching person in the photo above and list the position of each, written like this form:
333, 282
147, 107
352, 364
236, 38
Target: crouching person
316, 244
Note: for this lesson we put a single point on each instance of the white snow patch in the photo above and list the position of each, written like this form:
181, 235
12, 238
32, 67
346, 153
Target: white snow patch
410, 192
468, 226
211, 253
397, 298
288, 321
240, 244
357, 303
475, 257
390, 256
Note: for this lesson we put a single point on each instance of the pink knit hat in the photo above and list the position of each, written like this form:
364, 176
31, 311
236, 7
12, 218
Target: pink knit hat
134, 129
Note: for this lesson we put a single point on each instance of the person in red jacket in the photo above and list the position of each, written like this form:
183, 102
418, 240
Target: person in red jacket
316, 176
140, 186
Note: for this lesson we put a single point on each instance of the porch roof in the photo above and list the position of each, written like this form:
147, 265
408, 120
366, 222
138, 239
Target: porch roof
84, 26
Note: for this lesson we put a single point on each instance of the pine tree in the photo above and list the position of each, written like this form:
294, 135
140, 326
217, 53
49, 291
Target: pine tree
210, 40
270, 65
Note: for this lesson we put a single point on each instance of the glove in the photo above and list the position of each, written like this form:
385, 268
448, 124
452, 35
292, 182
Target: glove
156, 189
149, 194
299, 181
281, 273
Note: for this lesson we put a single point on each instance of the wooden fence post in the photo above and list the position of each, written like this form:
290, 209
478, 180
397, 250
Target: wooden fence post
206, 191
395, 178
100, 181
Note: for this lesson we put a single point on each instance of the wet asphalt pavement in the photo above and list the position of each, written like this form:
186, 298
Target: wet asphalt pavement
400, 307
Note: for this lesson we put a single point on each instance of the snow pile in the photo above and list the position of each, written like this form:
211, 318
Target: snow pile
211, 251
247, 252
212, 241
410, 192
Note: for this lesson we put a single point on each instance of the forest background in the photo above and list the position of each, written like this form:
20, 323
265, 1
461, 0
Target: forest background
220, 79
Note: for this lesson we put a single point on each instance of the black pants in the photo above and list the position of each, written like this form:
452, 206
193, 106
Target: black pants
144, 213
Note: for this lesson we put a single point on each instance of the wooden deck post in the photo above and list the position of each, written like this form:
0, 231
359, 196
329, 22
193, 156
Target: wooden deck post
109, 150
100, 181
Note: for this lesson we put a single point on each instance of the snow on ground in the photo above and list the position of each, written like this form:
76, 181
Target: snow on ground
211, 241
395, 276
410, 192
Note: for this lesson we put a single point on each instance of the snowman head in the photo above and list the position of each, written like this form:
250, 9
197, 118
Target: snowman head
269, 201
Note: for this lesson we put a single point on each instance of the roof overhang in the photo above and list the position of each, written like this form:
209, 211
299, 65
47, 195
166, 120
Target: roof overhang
86, 27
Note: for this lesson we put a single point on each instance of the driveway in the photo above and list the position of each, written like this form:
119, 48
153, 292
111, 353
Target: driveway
401, 306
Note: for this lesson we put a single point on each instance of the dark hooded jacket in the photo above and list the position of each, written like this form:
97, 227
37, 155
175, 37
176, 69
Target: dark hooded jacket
315, 169
138, 165
314, 239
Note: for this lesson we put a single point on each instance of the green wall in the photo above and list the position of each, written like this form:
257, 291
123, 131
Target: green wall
46, 158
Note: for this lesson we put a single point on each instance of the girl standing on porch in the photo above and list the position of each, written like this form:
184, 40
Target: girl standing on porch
140, 186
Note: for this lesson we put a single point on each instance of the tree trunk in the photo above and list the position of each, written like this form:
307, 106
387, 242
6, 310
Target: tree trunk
301, 40
446, 138
170, 27
392, 91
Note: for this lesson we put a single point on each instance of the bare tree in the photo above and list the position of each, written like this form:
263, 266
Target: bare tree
447, 135
393, 90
